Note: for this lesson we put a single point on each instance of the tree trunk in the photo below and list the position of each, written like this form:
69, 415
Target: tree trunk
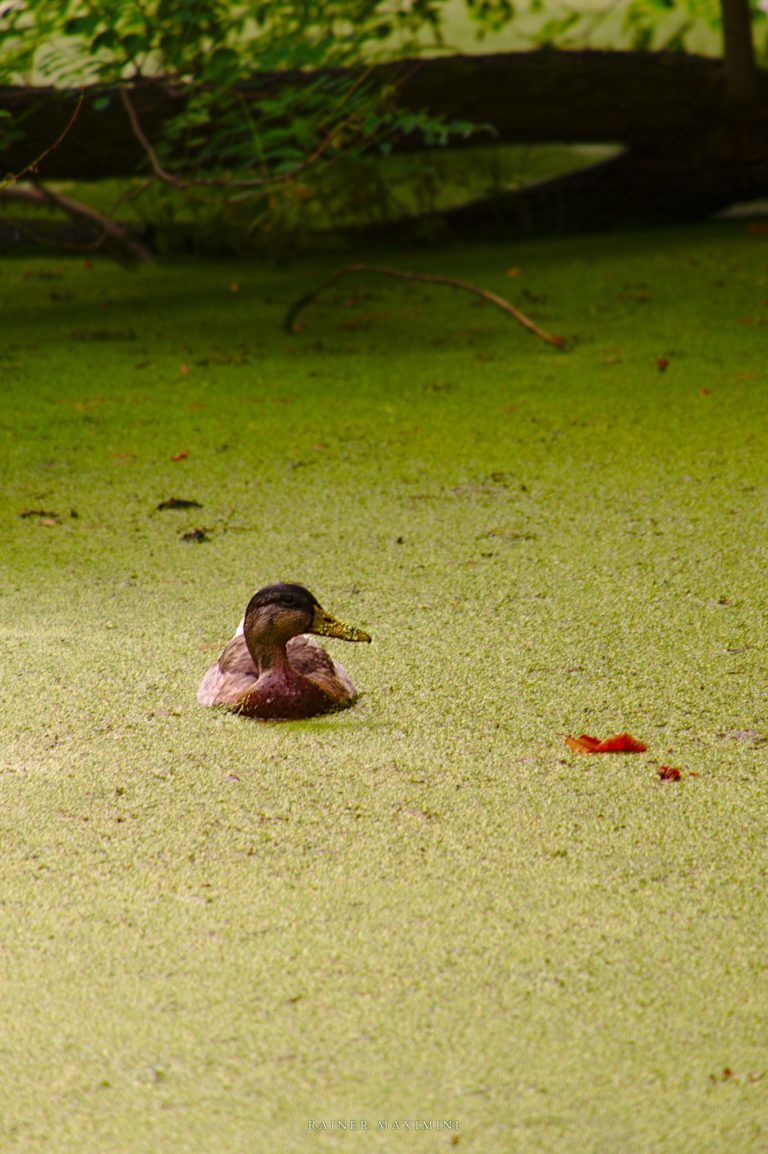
738, 52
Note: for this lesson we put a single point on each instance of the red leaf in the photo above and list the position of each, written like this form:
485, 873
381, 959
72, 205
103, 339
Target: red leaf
662, 364
182, 456
620, 743
583, 744
669, 773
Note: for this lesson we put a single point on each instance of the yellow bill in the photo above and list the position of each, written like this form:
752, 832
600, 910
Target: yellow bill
328, 626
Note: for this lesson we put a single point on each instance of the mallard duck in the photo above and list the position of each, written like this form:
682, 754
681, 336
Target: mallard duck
271, 669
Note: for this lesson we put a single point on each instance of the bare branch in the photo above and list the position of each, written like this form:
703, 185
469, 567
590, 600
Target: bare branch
291, 316
110, 229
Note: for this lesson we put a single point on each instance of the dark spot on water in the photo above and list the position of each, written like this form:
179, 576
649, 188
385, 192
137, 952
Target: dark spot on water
178, 503
40, 513
103, 335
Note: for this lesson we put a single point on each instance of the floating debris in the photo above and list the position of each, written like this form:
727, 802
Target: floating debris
43, 514
178, 503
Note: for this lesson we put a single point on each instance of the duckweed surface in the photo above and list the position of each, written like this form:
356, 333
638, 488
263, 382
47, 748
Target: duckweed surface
425, 909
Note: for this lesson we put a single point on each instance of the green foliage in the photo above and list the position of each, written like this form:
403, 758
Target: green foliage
490, 15
214, 49
639, 25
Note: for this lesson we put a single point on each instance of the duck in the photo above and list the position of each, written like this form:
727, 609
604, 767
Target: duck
273, 669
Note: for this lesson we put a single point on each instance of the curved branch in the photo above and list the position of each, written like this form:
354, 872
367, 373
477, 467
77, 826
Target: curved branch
291, 316
160, 172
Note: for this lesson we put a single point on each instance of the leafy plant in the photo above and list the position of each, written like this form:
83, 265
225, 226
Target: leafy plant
213, 49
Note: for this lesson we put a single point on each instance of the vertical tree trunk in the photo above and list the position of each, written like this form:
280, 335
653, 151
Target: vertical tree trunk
739, 52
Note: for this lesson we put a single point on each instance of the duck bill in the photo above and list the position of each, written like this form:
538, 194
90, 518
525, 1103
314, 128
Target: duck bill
328, 626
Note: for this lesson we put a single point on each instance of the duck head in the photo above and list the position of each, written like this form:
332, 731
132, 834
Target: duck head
279, 612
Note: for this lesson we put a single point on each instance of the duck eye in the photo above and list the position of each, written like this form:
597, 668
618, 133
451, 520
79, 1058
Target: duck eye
289, 599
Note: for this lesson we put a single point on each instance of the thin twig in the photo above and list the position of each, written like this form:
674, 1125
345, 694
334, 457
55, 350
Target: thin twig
132, 192
13, 177
140, 135
290, 319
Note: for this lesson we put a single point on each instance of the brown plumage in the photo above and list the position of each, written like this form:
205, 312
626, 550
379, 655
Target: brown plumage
271, 669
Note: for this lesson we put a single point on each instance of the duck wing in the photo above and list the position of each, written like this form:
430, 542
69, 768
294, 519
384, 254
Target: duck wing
308, 657
233, 675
